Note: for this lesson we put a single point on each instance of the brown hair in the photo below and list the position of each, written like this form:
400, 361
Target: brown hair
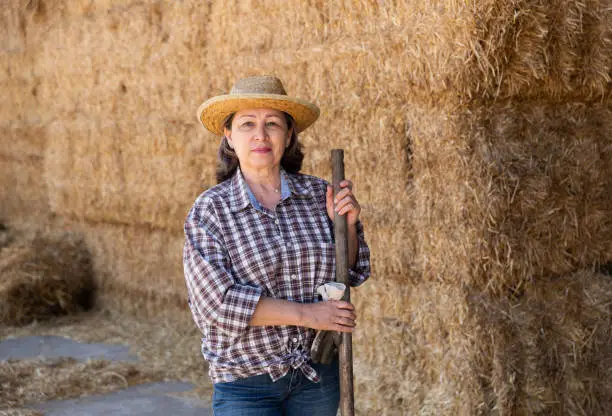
227, 161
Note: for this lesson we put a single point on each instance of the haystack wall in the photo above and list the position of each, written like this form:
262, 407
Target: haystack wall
23, 192
477, 135
148, 261
511, 192
124, 170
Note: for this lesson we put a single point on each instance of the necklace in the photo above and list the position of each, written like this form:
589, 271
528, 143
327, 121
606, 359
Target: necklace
276, 190
262, 192
261, 189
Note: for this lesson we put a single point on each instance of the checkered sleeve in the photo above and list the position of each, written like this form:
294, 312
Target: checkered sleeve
214, 295
361, 271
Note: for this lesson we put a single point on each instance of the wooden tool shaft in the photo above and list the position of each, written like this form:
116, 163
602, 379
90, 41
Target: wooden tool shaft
347, 399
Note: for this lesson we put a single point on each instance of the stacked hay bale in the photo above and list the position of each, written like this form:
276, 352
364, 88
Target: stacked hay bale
120, 151
43, 276
548, 351
477, 134
22, 192
513, 203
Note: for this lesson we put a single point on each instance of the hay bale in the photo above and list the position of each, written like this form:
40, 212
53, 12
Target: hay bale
144, 173
533, 49
432, 348
23, 191
138, 270
509, 193
134, 60
6, 236
321, 40
547, 351
129, 63
22, 141
448, 51
46, 276
17, 67
10, 33
411, 350
21, 98
423, 46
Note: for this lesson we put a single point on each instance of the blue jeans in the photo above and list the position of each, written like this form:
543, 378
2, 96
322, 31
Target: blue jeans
292, 395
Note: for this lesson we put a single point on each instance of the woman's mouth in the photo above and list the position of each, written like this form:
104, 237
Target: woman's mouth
262, 150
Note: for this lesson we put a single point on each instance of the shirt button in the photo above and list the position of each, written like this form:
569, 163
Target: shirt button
276, 222
295, 340
294, 276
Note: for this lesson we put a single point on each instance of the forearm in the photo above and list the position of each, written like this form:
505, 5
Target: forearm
271, 312
330, 315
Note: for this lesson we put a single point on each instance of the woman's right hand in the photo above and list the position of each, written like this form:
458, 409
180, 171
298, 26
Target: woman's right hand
332, 315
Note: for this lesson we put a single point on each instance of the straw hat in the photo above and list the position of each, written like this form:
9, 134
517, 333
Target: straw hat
256, 92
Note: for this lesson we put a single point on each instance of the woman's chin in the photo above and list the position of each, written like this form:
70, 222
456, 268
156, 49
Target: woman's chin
262, 161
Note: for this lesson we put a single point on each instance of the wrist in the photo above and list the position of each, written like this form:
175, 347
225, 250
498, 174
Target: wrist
300, 314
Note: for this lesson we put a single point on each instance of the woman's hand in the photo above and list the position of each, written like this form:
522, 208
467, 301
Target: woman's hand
332, 315
345, 202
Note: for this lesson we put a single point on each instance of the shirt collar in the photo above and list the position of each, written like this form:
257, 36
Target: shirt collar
295, 186
241, 195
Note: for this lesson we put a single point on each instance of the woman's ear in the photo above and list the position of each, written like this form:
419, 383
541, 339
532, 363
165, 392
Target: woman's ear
227, 133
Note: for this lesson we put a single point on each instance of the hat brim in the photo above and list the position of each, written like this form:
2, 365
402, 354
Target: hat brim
213, 112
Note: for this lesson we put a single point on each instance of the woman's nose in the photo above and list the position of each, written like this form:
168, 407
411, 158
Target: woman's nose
260, 132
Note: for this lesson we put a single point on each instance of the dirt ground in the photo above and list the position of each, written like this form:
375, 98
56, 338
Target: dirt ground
167, 351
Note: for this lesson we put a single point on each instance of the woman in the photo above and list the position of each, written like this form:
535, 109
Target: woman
257, 246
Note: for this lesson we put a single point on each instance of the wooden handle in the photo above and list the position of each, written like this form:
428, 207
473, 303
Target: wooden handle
347, 398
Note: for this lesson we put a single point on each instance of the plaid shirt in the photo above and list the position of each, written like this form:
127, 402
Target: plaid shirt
237, 250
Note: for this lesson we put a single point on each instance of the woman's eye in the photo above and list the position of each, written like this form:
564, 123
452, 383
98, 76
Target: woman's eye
247, 124
272, 124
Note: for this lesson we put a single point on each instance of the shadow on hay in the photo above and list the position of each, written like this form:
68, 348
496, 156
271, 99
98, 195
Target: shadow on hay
43, 275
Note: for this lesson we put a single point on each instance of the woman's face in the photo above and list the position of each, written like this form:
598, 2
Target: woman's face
259, 137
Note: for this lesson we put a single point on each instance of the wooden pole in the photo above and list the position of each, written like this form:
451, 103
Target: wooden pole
347, 398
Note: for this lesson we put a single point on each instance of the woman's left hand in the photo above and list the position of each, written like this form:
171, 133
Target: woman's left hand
346, 203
